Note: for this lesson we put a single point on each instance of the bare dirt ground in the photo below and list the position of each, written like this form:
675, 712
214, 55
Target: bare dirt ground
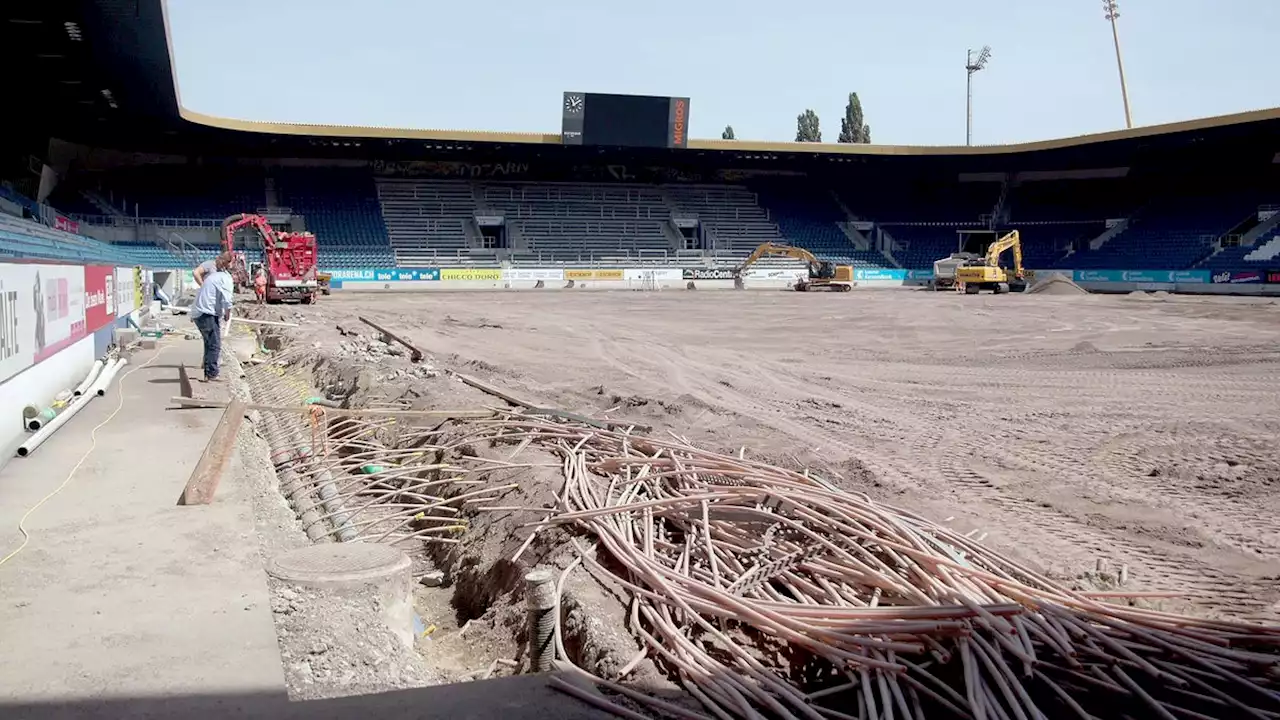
1065, 429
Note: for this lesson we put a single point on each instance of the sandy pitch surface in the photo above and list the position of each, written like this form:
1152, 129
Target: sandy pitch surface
1064, 430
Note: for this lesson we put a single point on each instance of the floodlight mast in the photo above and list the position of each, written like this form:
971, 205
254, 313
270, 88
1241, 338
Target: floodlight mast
973, 65
1112, 11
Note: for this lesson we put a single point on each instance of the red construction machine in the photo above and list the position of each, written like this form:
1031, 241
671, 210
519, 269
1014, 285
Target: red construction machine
289, 259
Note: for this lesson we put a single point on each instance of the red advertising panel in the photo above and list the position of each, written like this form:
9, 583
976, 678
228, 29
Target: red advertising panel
99, 298
1273, 276
58, 292
65, 224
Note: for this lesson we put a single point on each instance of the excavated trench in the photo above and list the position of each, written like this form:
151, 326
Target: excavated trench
361, 477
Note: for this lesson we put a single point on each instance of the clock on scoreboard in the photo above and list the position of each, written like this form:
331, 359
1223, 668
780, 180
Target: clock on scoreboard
624, 120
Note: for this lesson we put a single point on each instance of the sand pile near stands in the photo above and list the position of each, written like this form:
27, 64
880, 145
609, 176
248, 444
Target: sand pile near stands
1056, 284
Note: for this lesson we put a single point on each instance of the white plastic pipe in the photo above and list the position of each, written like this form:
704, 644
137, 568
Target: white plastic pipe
43, 433
98, 388
88, 379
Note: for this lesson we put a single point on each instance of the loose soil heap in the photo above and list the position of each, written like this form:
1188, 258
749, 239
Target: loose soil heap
1056, 284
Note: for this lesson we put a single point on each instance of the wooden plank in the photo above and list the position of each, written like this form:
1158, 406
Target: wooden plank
532, 409
184, 381
307, 409
415, 355
203, 483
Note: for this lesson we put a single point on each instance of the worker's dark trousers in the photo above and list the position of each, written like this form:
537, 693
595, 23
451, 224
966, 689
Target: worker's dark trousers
211, 330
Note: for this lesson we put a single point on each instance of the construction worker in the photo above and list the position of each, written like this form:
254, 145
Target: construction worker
211, 313
260, 284
204, 270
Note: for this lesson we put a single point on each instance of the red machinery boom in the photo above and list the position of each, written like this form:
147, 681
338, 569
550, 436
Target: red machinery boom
288, 257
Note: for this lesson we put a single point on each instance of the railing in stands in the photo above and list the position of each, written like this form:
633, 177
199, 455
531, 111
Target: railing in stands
114, 221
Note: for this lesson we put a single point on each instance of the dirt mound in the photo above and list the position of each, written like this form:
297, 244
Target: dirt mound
1056, 284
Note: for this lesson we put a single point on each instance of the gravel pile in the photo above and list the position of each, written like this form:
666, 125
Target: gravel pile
1056, 284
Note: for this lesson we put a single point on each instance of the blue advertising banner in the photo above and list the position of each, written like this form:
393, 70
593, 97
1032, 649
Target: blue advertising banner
383, 274
1098, 276
919, 274
1143, 276
1191, 276
873, 274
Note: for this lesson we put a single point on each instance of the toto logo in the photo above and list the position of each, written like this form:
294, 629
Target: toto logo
1222, 277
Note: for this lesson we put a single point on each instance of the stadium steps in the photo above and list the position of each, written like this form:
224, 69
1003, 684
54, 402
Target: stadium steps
730, 214
1265, 252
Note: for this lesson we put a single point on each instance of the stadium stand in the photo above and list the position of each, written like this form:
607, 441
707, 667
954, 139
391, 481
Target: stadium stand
426, 216
731, 217
574, 219
922, 202
342, 209
811, 218
26, 239
177, 191
1173, 232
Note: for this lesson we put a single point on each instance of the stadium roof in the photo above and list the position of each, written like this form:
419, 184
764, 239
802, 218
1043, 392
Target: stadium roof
100, 73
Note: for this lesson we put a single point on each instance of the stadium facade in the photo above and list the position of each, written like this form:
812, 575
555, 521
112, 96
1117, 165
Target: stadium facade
105, 163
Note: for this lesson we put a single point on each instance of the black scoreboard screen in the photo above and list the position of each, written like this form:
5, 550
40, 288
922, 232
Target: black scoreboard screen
625, 120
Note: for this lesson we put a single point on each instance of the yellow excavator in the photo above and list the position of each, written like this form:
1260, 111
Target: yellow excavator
822, 275
985, 273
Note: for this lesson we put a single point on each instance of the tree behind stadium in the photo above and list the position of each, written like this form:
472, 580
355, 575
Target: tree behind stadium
807, 129
852, 127
728, 133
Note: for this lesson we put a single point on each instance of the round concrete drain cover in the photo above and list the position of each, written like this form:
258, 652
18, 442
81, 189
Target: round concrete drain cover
334, 564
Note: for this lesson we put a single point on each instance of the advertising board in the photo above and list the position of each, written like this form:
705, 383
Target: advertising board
65, 224
384, 274
879, 274
471, 274
124, 291
787, 274
99, 297
1190, 276
140, 286
594, 274
17, 319
58, 295
919, 274
1098, 276
654, 274
1246, 276
706, 274
1273, 276
534, 274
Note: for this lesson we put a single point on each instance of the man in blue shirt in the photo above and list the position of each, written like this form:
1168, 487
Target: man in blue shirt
211, 308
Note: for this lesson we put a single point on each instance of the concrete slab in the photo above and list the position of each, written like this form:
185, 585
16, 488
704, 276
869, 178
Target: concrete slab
120, 592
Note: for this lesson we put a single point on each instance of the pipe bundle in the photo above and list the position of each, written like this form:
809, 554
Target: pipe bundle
765, 592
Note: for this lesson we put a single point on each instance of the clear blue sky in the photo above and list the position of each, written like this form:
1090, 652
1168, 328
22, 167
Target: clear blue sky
502, 65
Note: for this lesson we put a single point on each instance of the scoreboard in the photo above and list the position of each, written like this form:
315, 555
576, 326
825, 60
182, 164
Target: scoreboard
624, 120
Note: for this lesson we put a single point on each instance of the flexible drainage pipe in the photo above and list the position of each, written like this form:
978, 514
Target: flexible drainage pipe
99, 387
88, 379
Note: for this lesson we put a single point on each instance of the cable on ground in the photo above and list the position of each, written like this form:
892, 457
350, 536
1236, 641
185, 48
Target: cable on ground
93, 444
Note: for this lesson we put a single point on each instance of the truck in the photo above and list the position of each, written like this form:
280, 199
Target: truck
288, 258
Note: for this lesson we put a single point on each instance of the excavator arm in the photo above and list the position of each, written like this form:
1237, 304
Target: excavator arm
1011, 241
774, 250
233, 224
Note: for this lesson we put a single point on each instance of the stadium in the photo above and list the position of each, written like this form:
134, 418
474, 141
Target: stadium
556, 351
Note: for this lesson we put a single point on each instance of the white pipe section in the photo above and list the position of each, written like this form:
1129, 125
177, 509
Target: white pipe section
43, 433
98, 388
88, 379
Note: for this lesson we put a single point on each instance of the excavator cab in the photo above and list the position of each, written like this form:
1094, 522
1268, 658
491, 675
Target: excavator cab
822, 270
